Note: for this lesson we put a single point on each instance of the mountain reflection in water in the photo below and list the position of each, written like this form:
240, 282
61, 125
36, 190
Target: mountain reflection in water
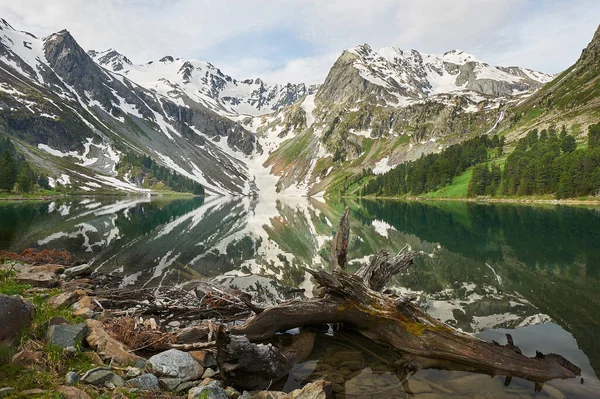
484, 268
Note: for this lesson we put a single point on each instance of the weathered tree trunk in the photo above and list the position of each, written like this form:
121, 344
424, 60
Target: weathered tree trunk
355, 301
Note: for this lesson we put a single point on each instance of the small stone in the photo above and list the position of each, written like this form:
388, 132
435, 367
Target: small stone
144, 381
72, 392
109, 385
100, 376
66, 335
70, 350
57, 321
81, 270
209, 373
184, 386
72, 378
94, 358
174, 324
133, 372
212, 390
176, 364
353, 365
169, 384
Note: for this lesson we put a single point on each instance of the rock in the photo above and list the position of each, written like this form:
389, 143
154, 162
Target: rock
353, 365
317, 390
27, 358
184, 386
169, 384
108, 347
418, 387
72, 378
209, 373
65, 299
176, 364
6, 390
144, 381
212, 390
263, 395
81, 270
133, 372
38, 276
205, 358
17, 314
72, 392
70, 350
80, 283
348, 356
84, 307
66, 335
99, 377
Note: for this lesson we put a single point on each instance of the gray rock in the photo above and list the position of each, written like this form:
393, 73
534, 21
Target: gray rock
209, 373
212, 390
232, 393
184, 386
144, 381
175, 364
133, 372
169, 384
72, 378
16, 315
66, 335
80, 270
100, 377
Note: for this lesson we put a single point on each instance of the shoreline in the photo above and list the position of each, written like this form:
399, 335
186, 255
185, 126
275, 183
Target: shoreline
524, 200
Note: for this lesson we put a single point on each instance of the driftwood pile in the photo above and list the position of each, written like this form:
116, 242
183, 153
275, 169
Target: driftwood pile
252, 353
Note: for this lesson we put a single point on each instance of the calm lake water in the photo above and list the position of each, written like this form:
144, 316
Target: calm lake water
488, 269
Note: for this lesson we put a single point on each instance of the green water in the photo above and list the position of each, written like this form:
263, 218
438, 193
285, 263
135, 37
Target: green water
487, 269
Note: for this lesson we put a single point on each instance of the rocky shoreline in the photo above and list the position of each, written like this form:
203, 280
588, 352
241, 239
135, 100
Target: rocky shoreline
57, 324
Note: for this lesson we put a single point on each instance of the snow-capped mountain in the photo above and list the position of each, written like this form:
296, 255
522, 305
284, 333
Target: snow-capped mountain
205, 84
403, 77
55, 97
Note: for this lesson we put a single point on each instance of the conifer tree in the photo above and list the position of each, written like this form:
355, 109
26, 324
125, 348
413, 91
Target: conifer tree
8, 171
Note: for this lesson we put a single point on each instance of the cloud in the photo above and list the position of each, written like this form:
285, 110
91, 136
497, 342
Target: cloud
298, 40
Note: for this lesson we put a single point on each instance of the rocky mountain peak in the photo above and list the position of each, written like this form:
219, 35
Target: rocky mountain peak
5, 25
592, 52
110, 59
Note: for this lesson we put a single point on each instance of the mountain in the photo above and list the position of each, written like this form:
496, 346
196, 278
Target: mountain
205, 84
379, 108
76, 119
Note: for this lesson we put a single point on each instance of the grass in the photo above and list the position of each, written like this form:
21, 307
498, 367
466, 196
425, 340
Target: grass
457, 189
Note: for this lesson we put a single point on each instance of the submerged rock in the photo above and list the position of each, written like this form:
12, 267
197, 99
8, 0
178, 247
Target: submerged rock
175, 364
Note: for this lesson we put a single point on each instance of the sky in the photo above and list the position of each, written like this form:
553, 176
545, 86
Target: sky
299, 40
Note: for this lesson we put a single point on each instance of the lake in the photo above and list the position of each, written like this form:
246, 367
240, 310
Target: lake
488, 269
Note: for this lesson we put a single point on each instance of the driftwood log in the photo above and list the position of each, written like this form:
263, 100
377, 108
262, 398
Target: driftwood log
356, 301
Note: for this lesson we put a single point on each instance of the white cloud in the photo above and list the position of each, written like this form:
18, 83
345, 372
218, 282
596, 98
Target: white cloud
298, 40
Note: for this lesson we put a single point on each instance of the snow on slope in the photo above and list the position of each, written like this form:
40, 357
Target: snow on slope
204, 83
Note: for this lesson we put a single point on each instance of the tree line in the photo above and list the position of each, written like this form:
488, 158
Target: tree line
144, 169
433, 171
15, 172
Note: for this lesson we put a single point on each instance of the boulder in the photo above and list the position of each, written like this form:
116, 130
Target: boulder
72, 392
108, 347
39, 276
65, 299
175, 364
144, 381
17, 314
212, 390
100, 377
64, 336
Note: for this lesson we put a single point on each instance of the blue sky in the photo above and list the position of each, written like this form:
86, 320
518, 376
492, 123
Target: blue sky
298, 40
